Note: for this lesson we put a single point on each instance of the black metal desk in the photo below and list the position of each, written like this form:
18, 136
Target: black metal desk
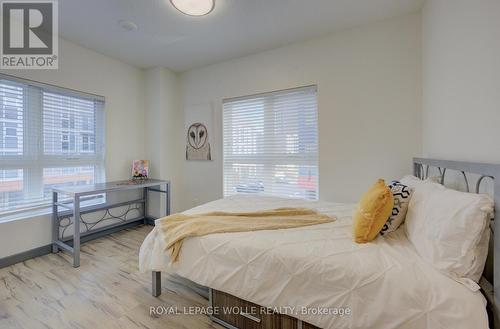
74, 209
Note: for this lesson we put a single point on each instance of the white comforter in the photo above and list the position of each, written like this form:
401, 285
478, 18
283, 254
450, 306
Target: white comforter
385, 284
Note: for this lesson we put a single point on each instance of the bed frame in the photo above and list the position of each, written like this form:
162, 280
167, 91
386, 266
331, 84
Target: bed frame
421, 168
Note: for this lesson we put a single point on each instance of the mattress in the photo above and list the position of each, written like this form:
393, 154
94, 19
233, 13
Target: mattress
319, 275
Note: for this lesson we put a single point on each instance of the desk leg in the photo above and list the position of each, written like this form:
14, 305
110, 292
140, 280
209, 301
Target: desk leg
145, 198
167, 197
76, 234
55, 223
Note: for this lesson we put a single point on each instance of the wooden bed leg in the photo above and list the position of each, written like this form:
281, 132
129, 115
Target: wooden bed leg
156, 284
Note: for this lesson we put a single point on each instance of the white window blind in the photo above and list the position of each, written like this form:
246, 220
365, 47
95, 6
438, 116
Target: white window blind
49, 136
271, 144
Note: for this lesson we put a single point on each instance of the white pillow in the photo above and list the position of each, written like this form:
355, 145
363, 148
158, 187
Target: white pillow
449, 228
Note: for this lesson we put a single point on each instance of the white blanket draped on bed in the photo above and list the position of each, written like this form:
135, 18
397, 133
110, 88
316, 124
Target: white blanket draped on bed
385, 283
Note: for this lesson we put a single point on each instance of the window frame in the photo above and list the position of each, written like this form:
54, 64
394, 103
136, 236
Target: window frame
269, 124
34, 159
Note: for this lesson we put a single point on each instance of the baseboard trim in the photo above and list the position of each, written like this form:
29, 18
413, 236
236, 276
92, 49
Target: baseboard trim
25, 255
47, 249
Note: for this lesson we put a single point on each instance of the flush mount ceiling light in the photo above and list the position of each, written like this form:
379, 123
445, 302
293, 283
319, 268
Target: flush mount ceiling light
194, 7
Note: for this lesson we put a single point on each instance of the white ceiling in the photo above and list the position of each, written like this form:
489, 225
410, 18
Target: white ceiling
235, 28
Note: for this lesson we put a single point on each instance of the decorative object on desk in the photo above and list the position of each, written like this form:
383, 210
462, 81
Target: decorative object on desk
198, 125
140, 169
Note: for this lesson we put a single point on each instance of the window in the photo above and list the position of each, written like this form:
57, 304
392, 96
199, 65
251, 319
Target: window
49, 137
271, 144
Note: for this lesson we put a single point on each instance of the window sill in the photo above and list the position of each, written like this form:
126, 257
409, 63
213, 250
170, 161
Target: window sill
26, 215
44, 211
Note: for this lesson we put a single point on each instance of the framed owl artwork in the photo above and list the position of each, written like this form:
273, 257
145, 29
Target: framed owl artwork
197, 142
198, 120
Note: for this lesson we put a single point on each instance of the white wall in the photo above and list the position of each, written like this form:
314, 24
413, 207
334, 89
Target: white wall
369, 93
461, 79
164, 126
122, 86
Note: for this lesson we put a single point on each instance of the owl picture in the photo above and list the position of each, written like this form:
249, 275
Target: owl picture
197, 146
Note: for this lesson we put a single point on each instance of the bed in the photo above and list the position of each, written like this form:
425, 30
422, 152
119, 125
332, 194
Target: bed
316, 274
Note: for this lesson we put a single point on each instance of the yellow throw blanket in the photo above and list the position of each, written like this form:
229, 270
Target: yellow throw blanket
175, 228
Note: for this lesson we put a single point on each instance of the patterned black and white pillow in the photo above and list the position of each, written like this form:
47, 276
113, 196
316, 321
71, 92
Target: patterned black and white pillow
401, 194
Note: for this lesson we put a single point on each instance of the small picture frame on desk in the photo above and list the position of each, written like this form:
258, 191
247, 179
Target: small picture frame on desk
140, 169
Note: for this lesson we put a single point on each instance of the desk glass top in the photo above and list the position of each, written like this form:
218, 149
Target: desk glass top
108, 187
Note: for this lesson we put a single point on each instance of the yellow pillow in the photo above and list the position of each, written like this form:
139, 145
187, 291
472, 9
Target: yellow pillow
372, 212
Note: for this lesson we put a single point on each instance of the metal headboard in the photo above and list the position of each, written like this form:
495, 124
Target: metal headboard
485, 171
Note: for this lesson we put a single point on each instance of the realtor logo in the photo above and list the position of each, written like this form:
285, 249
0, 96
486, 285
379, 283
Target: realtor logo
29, 34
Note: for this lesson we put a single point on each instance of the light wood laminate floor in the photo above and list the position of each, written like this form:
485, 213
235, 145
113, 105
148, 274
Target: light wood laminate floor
106, 291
